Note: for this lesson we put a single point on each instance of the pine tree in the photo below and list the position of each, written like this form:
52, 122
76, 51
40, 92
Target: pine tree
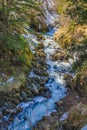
16, 11
14, 14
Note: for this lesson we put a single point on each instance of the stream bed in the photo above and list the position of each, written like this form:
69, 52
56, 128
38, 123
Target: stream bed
40, 106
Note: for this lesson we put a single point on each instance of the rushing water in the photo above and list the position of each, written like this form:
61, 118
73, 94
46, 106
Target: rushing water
40, 106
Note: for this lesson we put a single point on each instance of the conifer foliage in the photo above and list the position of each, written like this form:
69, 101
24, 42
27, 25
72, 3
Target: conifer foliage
14, 15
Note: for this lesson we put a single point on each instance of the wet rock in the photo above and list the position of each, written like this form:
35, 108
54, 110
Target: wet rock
16, 101
19, 109
40, 46
10, 79
24, 95
64, 116
1, 115
54, 113
41, 72
37, 72
43, 90
35, 88
44, 73
47, 94
62, 68
60, 55
12, 111
44, 79
49, 18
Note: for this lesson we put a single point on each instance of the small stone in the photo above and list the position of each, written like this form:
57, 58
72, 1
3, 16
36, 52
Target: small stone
3, 75
16, 101
77, 96
64, 116
10, 80
24, 95
12, 111
35, 88
54, 113
1, 115
19, 109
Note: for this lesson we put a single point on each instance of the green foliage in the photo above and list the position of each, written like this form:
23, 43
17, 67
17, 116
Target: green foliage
15, 49
14, 15
80, 67
78, 11
17, 11
73, 37
80, 63
62, 6
80, 83
71, 25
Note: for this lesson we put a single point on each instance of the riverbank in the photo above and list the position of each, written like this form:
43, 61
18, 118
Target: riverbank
22, 85
71, 114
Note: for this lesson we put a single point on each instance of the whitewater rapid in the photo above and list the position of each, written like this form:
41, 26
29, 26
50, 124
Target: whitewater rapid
39, 106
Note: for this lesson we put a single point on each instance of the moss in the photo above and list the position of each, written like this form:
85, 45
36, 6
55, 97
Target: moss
62, 6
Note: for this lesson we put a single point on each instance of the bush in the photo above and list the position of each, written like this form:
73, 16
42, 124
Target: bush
15, 49
80, 82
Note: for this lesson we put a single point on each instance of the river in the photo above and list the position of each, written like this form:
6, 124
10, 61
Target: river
40, 106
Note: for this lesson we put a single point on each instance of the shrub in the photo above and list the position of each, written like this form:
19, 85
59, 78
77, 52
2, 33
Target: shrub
15, 49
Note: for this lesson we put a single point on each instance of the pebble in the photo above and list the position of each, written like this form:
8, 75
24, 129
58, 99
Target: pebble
10, 80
